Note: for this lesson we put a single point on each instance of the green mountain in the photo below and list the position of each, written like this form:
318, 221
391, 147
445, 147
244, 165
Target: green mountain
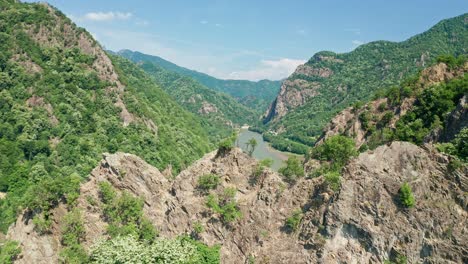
219, 112
329, 82
64, 102
256, 95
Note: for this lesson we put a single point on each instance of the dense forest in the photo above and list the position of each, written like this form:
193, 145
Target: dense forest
58, 116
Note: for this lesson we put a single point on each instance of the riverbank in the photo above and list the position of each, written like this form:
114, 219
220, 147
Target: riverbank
263, 149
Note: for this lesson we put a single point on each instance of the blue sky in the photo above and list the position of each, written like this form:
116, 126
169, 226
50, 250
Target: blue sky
253, 40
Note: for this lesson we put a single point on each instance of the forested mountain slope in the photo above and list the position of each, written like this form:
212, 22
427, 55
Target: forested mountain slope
255, 95
329, 82
63, 103
219, 112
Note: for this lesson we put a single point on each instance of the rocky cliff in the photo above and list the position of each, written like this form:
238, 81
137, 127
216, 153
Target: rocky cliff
361, 222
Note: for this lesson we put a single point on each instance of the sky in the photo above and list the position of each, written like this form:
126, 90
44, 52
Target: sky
252, 39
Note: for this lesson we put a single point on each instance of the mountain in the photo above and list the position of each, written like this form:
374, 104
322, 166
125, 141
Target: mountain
329, 82
64, 101
255, 95
99, 165
219, 112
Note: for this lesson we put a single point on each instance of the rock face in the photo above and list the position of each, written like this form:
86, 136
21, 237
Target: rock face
293, 93
365, 224
361, 223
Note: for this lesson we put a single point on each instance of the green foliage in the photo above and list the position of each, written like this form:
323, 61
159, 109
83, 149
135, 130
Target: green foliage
406, 196
55, 123
452, 61
286, 144
255, 95
333, 178
225, 205
293, 169
430, 110
208, 182
251, 145
398, 259
73, 233
337, 149
358, 74
198, 228
193, 96
9, 250
124, 213
293, 222
227, 144
128, 250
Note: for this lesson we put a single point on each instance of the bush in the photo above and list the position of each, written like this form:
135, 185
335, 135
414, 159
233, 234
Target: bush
227, 143
294, 220
208, 182
225, 205
128, 250
124, 213
337, 149
333, 179
293, 169
406, 196
9, 250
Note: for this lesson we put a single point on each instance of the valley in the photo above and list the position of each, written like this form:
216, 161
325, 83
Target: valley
123, 157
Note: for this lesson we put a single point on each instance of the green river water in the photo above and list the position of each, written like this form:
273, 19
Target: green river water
263, 149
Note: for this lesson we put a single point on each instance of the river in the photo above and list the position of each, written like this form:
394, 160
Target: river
263, 149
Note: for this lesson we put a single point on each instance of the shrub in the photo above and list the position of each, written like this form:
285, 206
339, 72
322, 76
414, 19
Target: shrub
333, 179
337, 149
293, 169
226, 206
208, 182
227, 143
198, 227
9, 251
382, 107
406, 196
128, 250
124, 213
294, 220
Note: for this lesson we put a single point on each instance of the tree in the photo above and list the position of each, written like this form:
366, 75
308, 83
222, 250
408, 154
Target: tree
337, 149
292, 170
251, 145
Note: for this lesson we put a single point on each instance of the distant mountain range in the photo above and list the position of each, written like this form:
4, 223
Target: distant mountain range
218, 111
255, 95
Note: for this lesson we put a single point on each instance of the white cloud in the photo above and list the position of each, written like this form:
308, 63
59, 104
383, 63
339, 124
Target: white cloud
107, 16
357, 42
204, 22
218, 25
301, 32
356, 31
268, 69
143, 23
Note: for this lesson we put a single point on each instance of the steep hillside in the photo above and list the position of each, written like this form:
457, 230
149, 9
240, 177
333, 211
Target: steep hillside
275, 221
255, 95
63, 102
436, 97
329, 82
218, 111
